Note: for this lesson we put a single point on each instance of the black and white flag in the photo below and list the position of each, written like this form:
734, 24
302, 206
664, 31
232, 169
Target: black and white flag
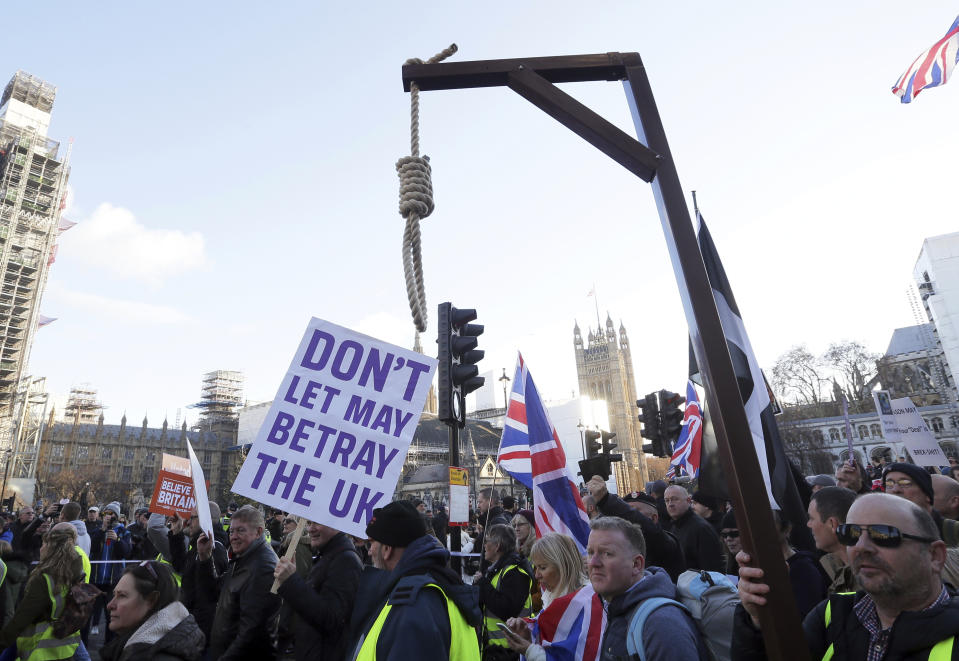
778, 476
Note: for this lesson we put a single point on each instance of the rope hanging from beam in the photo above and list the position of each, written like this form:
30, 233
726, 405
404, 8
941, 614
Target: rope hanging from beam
416, 200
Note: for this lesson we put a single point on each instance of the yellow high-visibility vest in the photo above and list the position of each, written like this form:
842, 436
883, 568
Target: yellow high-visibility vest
464, 645
493, 632
37, 643
86, 564
941, 651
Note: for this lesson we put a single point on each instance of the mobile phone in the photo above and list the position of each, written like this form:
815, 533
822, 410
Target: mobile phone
506, 629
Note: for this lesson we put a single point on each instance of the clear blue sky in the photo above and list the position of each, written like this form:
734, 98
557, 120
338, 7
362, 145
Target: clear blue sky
233, 176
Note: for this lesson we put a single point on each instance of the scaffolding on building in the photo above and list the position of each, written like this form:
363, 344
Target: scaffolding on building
221, 398
30, 419
83, 405
32, 191
30, 90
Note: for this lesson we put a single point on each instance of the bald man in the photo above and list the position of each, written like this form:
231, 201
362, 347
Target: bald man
945, 496
903, 610
702, 548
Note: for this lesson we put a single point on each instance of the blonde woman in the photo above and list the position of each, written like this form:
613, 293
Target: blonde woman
32, 625
558, 567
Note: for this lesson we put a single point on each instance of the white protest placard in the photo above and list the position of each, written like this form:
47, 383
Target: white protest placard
459, 497
199, 492
333, 444
890, 428
915, 435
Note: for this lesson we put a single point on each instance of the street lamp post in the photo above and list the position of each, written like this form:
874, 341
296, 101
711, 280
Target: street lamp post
582, 439
505, 381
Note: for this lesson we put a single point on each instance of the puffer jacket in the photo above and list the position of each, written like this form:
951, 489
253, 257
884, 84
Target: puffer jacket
246, 608
170, 634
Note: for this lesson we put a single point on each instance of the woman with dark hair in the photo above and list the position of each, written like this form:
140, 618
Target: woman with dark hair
149, 622
31, 628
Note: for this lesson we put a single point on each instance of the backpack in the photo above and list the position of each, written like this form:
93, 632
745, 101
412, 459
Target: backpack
710, 598
77, 608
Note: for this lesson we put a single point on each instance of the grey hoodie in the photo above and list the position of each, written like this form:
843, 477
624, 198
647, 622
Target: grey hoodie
83, 537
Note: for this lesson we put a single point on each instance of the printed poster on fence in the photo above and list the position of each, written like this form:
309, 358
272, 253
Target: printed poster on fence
334, 441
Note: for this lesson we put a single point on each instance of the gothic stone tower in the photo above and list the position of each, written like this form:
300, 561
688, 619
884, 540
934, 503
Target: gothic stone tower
605, 371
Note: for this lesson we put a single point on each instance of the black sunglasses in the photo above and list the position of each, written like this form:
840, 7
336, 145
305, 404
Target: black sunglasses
881, 535
732, 534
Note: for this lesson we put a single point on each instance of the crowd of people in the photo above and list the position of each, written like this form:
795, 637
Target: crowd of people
874, 582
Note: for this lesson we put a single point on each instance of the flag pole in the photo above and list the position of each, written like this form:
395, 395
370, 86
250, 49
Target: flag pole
599, 324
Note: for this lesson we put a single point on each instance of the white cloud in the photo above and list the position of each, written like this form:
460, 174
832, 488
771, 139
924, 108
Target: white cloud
112, 239
117, 308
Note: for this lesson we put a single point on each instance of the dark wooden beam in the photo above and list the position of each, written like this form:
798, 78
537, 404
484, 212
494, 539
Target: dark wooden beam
495, 73
533, 78
779, 620
622, 148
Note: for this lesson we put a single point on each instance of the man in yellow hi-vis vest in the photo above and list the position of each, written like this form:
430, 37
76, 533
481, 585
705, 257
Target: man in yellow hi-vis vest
411, 606
903, 610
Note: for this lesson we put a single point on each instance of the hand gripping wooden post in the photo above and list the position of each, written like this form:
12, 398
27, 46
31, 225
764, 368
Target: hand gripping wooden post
535, 80
291, 549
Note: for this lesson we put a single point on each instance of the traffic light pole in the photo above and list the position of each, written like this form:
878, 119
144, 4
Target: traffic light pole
456, 545
535, 79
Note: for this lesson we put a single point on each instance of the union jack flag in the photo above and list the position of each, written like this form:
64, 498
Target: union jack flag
689, 447
571, 627
530, 451
932, 68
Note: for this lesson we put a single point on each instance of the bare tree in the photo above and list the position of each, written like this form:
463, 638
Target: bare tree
854, 364
798, 375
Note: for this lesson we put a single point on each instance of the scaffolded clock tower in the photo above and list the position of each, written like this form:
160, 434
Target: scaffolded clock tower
605, 370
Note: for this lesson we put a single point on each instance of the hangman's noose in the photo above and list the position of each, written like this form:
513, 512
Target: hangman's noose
416, 200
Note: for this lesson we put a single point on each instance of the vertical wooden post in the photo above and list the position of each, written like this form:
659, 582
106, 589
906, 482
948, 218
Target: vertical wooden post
780, 619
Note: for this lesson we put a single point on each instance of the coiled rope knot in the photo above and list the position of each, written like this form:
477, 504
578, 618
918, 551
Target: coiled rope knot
416, 200
416, 186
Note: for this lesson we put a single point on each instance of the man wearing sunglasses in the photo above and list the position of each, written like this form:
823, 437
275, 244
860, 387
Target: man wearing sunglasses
914, 484
903, 610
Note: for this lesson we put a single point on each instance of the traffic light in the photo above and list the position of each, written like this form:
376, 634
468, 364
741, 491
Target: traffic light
593, 446
457, 355
609, 446
649, 416
671, 416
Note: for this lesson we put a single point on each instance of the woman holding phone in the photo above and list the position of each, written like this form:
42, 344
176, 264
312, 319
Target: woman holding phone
559, 569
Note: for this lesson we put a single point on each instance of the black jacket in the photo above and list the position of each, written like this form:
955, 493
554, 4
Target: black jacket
913, 633
201, 602
419, 629
662, 548
25, 539
700, 543
323, 602
506, 600
182, 641
245, 609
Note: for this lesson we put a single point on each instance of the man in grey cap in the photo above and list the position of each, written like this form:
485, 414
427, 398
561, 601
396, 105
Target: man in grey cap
820, 481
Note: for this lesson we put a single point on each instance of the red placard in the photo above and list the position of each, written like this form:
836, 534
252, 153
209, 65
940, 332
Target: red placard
173, 495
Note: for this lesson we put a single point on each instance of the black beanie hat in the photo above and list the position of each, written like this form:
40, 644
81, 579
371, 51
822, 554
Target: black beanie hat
706, 501
397, 524
729, 521
918, 474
